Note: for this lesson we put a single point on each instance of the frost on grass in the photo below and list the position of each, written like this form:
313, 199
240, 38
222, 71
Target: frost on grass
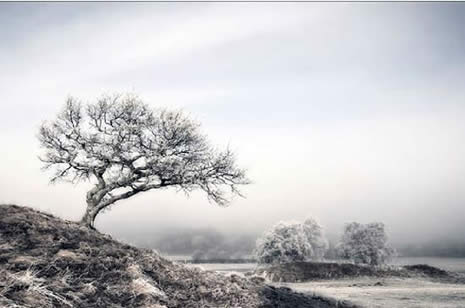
35, 289
47, 262
388, 292
143, 284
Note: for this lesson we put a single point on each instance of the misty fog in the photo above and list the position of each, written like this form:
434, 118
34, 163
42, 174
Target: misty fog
341, 112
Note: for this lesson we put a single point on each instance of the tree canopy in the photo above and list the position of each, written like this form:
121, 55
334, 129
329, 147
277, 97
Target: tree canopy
365, 244
291, 242
125, 147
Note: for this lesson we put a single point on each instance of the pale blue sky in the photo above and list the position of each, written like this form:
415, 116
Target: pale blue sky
343, 111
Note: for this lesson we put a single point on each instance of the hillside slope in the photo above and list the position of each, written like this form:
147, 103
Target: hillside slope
48, 262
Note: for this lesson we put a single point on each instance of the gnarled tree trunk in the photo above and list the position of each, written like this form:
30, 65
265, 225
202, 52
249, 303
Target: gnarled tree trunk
88, 219
130, 148
94, 206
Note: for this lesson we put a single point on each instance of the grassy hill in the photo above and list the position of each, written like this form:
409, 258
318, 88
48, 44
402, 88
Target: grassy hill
49, 262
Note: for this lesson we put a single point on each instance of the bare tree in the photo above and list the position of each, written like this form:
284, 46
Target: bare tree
125, 148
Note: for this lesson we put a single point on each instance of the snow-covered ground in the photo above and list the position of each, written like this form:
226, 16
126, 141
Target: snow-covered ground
392, 292
375, 292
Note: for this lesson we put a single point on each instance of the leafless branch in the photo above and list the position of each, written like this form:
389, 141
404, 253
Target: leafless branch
123, 144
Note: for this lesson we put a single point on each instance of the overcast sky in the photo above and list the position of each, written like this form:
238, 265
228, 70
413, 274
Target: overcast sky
340, 111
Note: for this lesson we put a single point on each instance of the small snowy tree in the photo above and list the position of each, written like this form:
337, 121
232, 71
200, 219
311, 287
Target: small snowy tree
314, 234
125, 148
291, 242
365, 244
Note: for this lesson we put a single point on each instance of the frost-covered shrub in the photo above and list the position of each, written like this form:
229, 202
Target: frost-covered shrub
365, 244
291, 242
314, 234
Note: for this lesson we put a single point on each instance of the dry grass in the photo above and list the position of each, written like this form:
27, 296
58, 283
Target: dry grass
144, 285
47, 262
35, 288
